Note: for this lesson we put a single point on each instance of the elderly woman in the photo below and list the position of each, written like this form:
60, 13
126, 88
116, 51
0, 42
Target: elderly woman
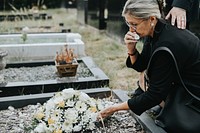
167, 53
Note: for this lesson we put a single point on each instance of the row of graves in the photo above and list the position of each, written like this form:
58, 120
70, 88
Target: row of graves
48, 84
20, 17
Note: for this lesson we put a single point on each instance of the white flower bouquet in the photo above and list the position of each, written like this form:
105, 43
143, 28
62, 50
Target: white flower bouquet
67, 111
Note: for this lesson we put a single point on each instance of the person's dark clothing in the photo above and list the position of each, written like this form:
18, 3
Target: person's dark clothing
162, 73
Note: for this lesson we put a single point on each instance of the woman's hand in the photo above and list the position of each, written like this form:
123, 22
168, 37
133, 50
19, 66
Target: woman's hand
130, 41
106, 112
112, 109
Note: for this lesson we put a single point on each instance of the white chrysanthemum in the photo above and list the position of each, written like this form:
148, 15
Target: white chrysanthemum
39, 114
77, 128
55, 126
41, 128
85, 119
92, 102
92, 116
71, 115
88, 114
40, 109
49, 105
52, 127
68, 93
80, 106
57, 100
67, 126
56, 115
91, 126
83, 97
70, 103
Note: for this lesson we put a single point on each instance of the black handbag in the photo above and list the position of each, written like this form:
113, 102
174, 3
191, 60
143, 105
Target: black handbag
181, 113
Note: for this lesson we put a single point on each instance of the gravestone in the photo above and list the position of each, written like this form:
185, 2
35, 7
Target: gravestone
97, 15
116, 26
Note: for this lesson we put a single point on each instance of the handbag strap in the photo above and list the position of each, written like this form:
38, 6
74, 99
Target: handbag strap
169, 51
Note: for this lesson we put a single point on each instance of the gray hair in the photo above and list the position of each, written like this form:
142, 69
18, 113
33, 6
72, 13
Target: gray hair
141, 8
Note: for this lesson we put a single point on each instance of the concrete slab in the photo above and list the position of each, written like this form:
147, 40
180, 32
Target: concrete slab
41, 46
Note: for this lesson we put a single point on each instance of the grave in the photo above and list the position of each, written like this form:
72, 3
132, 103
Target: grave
34, 50
144, 120
97, 78
24, 16
23, 47
44, 29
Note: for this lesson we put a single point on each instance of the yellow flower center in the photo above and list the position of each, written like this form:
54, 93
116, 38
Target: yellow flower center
93, 109
51, 121
39, 115
61, 104
58, 131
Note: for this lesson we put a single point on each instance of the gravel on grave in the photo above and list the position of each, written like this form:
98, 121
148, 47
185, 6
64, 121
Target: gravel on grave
39, 73
11, 121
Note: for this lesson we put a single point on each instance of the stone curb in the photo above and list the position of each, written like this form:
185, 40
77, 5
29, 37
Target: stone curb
145, 120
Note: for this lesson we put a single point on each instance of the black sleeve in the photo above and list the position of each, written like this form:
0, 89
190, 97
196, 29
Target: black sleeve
184, 4
142, 60
161, 75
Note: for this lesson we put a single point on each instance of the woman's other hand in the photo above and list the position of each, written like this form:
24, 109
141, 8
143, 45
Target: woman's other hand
112, 109
106, 112
177, 15
130, 41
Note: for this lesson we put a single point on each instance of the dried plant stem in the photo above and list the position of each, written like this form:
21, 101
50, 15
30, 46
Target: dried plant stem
103, 123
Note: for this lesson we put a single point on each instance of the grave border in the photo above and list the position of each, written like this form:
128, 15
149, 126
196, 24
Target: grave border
144, 120
100, 79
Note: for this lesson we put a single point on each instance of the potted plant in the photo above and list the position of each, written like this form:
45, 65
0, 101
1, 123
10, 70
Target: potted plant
66, 62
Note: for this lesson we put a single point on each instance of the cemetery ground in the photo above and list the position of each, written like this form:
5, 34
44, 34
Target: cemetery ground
108, 53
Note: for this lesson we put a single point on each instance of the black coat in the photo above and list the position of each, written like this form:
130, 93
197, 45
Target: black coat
162, 73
